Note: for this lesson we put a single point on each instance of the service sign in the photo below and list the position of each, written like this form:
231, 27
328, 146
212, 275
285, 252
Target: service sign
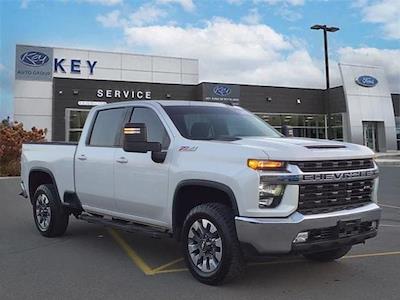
225, 93
33, 63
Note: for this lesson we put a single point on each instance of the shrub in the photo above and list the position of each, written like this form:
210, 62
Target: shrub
11, 138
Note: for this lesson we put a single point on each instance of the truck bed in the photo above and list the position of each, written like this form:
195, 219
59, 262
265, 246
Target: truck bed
56, 158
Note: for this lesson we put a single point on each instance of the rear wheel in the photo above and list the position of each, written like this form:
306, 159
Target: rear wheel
328, 255
209, 243
50, 217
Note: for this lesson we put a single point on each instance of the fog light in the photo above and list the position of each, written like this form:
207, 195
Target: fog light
301, 237
374, 225
267, 202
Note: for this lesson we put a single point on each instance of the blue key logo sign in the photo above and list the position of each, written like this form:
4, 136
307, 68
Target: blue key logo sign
222, 91
34, 58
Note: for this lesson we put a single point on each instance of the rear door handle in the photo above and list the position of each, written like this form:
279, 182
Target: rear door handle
82, 157
122, 160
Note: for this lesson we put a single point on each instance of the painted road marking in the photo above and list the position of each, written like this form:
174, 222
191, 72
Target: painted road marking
147, 270
137, 260
390, 206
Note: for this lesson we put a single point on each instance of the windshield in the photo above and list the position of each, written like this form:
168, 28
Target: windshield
218, 123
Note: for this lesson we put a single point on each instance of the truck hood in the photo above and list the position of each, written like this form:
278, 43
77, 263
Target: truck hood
303, 149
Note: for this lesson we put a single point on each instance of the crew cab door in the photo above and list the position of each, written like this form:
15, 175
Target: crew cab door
141, 185
94, 160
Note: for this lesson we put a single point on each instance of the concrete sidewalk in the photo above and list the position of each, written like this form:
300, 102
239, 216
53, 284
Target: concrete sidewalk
391, 158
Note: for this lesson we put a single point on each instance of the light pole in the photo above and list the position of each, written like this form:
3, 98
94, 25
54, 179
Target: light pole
326, 29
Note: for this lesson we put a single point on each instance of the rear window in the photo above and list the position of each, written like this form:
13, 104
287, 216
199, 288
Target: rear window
107, 127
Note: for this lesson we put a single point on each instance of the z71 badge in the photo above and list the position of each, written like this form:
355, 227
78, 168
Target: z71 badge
188, 148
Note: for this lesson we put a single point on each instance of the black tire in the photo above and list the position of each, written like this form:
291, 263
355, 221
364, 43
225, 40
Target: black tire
231, 262
328, 255
58, 221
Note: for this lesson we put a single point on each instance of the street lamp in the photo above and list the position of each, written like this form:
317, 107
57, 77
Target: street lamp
326, 29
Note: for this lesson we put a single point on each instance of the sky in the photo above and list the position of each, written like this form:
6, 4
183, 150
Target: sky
266, 42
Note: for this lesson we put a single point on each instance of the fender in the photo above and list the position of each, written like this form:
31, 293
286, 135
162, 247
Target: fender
43, 170
206, 183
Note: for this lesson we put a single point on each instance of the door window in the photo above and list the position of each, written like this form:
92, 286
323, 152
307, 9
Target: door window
155, 129
108, 127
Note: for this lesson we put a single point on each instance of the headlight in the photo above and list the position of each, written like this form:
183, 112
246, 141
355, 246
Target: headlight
270, 195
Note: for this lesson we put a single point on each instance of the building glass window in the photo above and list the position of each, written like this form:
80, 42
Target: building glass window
397, 120
75, 119
307, 125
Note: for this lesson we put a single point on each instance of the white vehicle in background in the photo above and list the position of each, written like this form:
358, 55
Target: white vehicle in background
214, 176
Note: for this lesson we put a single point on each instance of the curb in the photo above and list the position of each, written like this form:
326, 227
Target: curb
9, 177
388, 162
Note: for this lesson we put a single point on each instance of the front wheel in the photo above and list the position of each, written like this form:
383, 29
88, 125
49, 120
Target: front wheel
50, 217
210, 245
328, 255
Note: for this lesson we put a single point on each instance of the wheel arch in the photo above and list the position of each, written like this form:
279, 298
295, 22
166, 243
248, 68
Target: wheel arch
38, 176
198, 189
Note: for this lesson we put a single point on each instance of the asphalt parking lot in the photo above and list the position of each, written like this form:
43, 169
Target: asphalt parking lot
93, 262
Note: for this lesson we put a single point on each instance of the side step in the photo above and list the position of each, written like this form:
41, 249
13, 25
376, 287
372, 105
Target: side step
126, 226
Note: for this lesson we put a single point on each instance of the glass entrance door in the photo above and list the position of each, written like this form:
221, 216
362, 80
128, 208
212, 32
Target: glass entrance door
370, 134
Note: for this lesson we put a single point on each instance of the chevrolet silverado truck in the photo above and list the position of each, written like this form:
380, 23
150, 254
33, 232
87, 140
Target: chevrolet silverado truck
215, 177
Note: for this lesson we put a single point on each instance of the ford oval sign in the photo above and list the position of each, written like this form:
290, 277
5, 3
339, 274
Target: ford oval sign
367, 81
222, 91
34, 58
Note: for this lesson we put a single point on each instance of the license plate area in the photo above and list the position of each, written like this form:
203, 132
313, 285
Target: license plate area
348, 228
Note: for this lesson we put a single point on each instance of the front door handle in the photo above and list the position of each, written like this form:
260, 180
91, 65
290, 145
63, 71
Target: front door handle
122, 160
82, 157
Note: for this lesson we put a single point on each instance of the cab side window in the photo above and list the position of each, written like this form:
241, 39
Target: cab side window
155, 129
107, 127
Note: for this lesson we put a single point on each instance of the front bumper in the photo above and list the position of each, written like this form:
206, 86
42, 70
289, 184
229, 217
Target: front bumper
276, 235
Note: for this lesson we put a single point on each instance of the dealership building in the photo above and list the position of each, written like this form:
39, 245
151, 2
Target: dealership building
56, 87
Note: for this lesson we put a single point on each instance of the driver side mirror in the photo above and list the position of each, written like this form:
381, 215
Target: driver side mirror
135, 139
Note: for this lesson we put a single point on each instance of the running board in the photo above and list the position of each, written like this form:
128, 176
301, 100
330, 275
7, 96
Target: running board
126, 226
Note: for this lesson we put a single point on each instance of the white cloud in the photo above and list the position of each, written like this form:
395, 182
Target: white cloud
112, 19
187, 5
386, 13
288, 14
144, 15
232, 52
389, 59
253, 17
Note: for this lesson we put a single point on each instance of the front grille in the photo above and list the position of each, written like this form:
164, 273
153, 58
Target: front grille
319, 198
344, 230
334, 165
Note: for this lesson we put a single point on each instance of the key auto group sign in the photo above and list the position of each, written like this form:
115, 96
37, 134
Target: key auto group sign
38, 63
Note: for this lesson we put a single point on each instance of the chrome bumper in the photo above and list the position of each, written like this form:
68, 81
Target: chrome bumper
276, 235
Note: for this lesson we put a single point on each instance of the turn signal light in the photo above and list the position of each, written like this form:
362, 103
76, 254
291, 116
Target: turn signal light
258, 164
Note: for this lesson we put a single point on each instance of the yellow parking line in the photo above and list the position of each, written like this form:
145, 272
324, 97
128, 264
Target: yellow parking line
388, 225
141, 264
372, 254
172, 271
390, 206
137, 260
160, 268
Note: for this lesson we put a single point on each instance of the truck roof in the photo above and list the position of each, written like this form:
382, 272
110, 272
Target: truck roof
165, 103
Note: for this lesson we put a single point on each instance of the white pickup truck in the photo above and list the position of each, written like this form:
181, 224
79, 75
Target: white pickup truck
215, 177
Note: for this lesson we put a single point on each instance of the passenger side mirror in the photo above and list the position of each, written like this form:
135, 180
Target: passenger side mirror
135, 139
